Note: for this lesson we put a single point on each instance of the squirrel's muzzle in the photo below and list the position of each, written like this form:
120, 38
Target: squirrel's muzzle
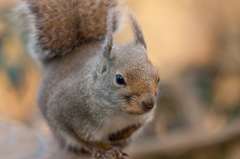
148, 102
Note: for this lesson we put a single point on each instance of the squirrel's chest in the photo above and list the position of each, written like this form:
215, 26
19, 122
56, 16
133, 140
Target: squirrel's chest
121, 127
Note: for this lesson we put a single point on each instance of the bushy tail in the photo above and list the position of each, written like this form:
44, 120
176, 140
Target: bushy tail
59, 26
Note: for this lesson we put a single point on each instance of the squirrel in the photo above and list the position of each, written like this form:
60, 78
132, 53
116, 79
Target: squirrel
94, 93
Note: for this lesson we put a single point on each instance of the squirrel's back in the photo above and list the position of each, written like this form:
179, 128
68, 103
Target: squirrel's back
59, 26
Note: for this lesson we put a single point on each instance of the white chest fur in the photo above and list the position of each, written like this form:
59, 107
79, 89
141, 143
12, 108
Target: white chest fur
117, 123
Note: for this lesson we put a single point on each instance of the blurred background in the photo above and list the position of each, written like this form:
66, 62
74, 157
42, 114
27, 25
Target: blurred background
195, 44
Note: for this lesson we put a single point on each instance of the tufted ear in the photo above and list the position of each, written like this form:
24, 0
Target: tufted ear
108, 44
137, 30
107, 48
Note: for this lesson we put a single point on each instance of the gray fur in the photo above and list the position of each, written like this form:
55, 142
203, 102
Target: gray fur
82, 102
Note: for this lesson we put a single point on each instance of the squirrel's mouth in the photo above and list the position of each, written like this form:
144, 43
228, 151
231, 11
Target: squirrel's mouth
135, 110
135, 113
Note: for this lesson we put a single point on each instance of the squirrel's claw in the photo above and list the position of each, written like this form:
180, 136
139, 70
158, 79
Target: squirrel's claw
125, 154
114, 152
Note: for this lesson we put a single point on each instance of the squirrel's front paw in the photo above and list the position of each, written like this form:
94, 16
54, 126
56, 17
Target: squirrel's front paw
112, 153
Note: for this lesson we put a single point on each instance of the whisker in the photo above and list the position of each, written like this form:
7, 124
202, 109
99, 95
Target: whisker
167, 62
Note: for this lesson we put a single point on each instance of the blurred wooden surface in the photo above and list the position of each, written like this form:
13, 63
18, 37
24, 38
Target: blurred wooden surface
18, 142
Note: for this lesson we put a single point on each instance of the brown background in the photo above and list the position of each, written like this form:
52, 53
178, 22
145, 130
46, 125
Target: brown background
195, 44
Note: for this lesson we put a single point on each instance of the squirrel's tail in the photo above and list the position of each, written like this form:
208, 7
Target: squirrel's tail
59, 26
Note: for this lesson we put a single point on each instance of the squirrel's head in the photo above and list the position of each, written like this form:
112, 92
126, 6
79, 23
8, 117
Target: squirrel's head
125, 75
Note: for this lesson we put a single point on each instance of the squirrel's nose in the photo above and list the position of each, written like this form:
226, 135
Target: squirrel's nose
148, 102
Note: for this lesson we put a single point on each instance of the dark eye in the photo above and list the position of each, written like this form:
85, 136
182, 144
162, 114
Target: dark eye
120, 80
158, 79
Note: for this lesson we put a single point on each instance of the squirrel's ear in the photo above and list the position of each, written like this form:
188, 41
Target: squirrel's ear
137, 30
107, 48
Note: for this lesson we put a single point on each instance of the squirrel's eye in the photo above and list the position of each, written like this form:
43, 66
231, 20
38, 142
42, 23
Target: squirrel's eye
120, 80
158, 79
